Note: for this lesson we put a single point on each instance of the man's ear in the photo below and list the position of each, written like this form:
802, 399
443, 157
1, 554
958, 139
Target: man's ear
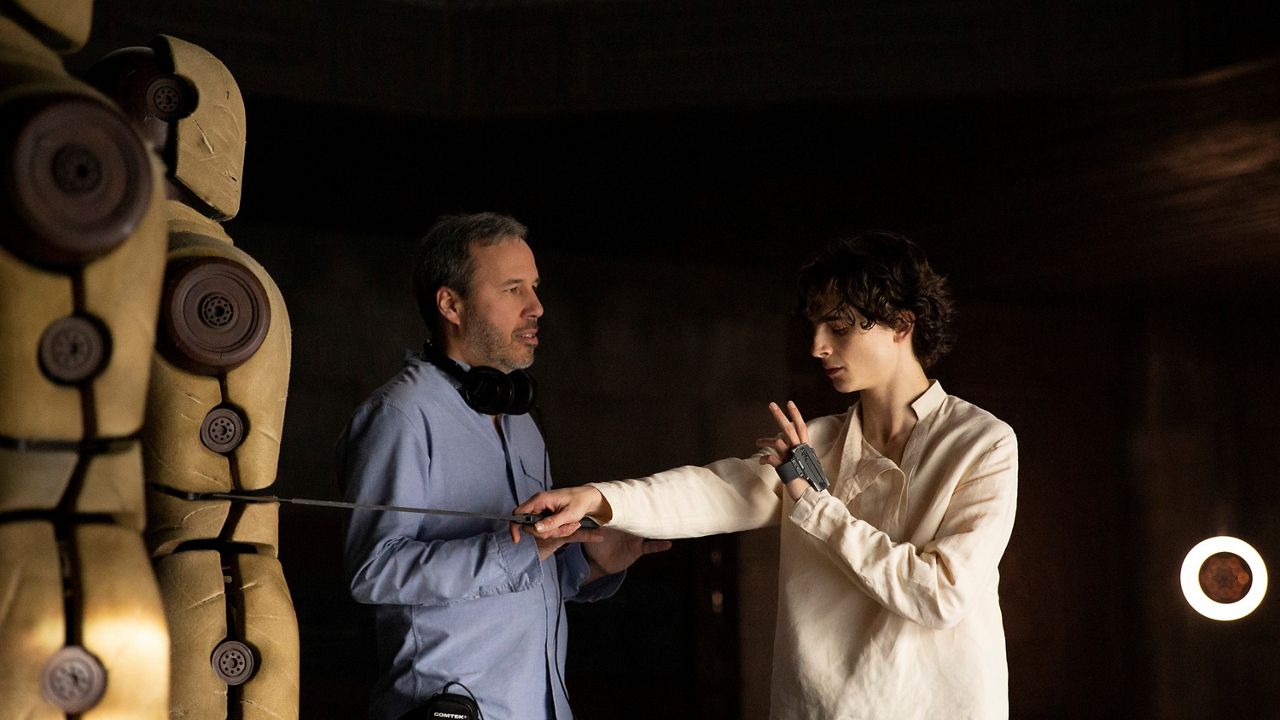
449, 304
903, 332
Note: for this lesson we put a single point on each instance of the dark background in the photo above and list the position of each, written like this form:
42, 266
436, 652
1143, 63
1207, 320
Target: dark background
1100, 180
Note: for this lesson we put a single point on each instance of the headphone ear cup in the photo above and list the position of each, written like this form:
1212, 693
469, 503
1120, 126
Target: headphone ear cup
487, 390
523, 392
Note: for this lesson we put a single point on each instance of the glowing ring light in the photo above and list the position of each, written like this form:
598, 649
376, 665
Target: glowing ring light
1196, 595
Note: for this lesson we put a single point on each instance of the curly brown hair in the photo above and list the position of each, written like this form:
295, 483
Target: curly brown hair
883, 276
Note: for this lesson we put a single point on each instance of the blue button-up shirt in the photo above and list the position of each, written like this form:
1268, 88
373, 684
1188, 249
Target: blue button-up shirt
454, 598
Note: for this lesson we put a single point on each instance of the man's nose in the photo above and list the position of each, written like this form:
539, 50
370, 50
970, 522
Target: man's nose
534, 308
819, 348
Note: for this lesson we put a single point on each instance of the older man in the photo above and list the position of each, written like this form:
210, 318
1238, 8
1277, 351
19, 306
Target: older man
456, 599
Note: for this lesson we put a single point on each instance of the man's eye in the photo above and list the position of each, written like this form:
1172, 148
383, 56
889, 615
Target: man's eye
839, 329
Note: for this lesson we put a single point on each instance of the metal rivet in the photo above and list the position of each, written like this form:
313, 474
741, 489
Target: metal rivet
222, 430
233, 662
72, 349
73, 680
165, 98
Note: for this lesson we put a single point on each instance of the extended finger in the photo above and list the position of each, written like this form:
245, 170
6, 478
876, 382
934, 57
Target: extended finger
536, 504
788, 428
554, 525
648, 547
801, 429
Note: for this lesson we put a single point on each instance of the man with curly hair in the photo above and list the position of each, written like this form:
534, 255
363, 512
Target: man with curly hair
888, 578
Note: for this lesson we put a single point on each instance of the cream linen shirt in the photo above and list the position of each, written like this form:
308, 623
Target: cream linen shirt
887, 581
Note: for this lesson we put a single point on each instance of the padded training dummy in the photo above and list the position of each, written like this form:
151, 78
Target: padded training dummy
82, 253
216, 404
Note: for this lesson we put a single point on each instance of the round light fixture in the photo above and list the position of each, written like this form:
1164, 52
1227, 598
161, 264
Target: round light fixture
1224, 578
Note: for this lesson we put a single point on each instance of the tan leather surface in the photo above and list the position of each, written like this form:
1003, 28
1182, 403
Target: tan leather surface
172, 521
187, 226
271, 627
123, 623
33, 480
259, 386
64, 24
20, 47
260, 526
33, 407
113, 485
121, 620
211, 140
195, 606
31, 607
123, 290
176, 407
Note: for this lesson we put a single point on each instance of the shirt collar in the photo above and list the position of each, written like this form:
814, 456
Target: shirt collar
929, 401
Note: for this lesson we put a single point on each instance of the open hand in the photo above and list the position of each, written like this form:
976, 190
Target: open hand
616, 551
548, 546
778, 449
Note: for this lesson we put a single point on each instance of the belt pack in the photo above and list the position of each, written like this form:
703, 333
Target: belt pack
450, 706
447, 706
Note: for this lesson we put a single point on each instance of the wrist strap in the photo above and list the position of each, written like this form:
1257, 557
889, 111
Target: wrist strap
803, 463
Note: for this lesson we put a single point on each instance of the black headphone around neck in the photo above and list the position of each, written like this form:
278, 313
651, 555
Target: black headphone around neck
485, 389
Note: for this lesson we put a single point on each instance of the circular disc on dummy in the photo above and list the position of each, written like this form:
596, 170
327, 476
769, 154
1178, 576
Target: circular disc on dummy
73, 349
78, 179
216, 313
73, 680
167, 98
233, 661
222, 430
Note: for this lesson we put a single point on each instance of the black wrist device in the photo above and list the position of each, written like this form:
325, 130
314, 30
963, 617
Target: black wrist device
804, 463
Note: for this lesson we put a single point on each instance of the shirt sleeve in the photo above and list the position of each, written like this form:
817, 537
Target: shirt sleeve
931, 585
384, 459
725, 496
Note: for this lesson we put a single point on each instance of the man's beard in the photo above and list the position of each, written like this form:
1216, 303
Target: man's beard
494, 349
